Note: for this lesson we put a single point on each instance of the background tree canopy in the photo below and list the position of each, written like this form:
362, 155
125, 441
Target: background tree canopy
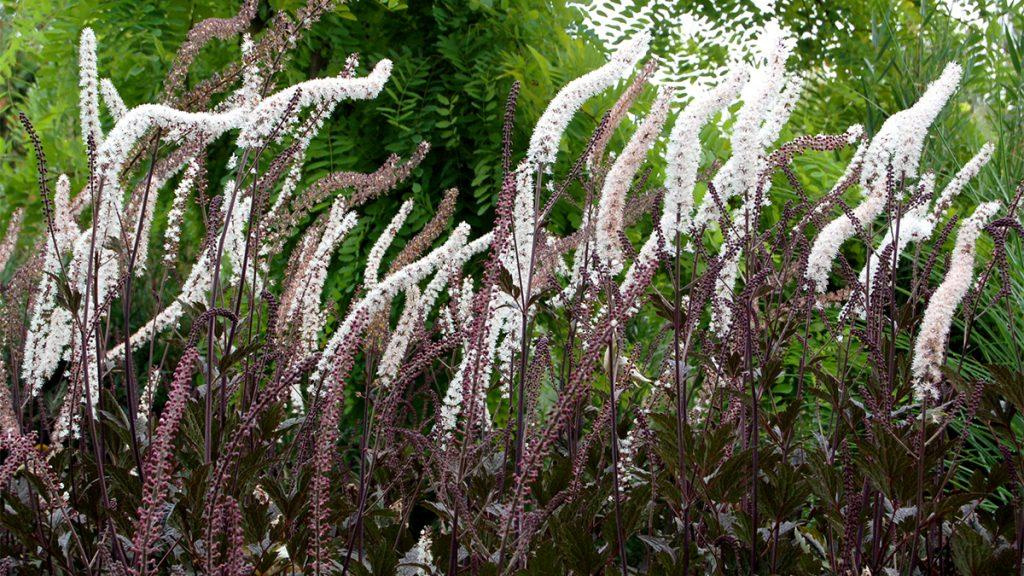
456, 60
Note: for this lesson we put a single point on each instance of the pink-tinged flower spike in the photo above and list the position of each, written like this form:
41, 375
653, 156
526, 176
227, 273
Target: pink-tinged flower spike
930, 348
112, 99
547, 134
88, 83
544, 141
159, 465
919, 222
401, 336
10, 237
768, 101
9, 427
234, 244
898, 144
965, 175
612, 203
382, 244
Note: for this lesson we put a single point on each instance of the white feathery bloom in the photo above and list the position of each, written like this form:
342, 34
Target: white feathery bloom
88, 82
418, 305
502, 318
465, 308
66, 424
782, 108
768, 99
50, 333
418, 557
930, 347
112, 99
900, 141
255, 124
92, 378
832, 236
965, 175
401, 336
682, 157
446, 320
50, 326
504, 352
444, 274
199, 281
544, 141
234, 243
172, 234
382, 244
261, 121
381, 295
612, 204
110, 157
64, 226
919, 222
898, 144
726, 281
682, 160
307, 308
249, 92
547, 134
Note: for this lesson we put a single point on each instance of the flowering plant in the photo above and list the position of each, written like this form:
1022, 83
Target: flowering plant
486, 403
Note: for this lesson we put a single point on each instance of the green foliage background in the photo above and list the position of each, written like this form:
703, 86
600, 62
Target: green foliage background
454, 64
